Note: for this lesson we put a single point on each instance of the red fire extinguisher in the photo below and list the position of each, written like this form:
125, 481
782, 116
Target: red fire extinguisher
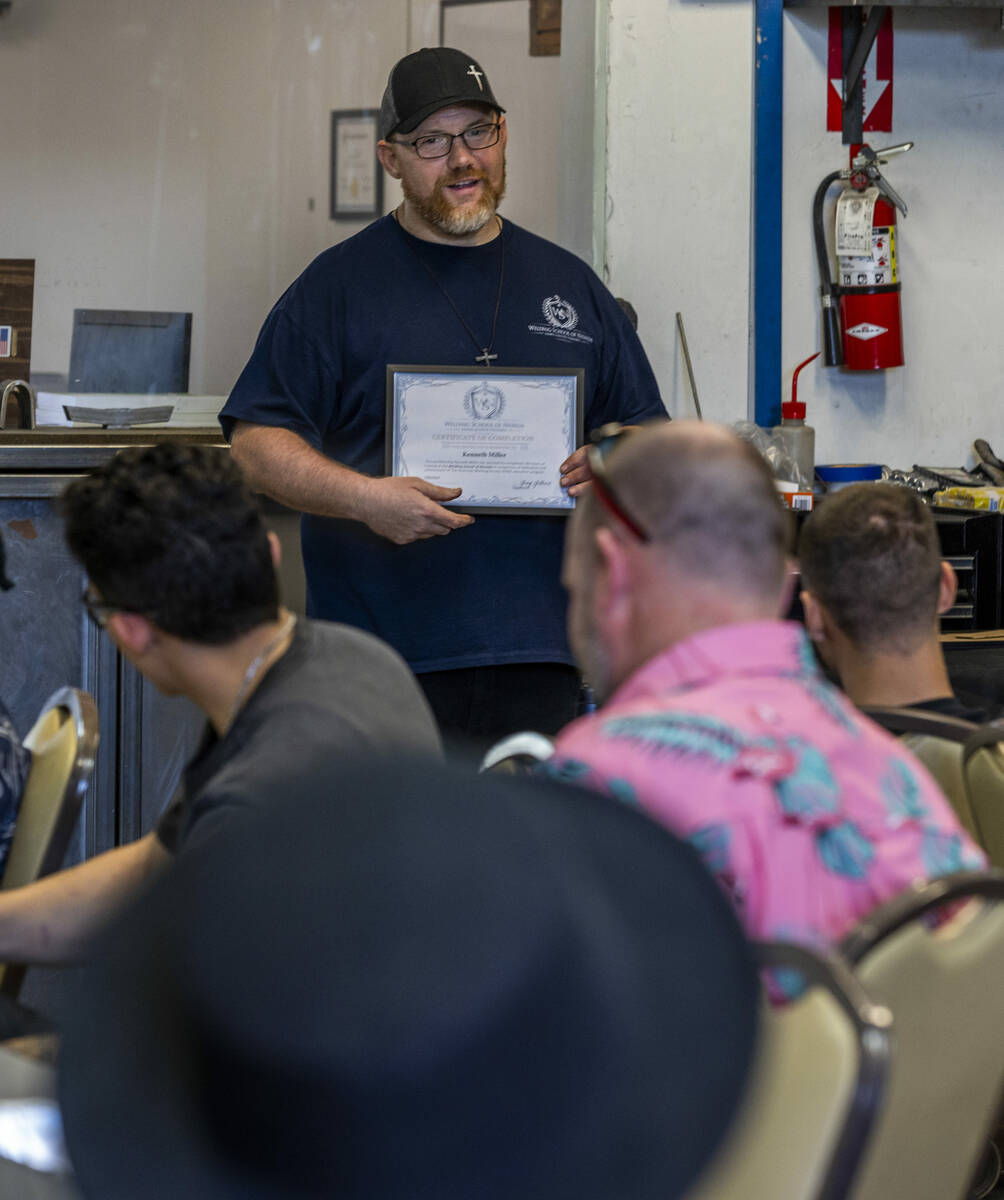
862, 322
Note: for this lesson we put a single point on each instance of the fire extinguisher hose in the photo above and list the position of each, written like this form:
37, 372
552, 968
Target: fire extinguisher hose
833, 353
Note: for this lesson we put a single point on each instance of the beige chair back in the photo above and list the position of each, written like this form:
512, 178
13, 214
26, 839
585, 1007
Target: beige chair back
63, 742
943, 760
944, 984
815, 1088
983, 771
938, 742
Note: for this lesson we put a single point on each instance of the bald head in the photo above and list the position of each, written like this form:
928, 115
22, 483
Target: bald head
707, 500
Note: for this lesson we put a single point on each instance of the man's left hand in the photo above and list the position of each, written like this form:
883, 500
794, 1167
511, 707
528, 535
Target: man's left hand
575, 472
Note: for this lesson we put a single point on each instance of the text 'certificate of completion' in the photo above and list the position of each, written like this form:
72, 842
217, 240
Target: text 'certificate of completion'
499, 434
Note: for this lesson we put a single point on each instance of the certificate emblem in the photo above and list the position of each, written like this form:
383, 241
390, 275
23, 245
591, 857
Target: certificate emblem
484, 402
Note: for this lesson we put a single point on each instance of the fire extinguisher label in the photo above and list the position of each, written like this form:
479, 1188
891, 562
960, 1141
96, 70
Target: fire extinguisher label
888, 251
854, 221
876, 270
865, 332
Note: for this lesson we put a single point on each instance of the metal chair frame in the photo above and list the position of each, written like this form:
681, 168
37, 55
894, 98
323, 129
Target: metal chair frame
80, 709
916, 720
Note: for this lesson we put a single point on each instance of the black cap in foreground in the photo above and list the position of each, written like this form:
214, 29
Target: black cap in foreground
413, 982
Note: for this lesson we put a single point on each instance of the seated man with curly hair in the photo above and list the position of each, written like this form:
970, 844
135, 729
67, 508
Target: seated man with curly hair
183, 580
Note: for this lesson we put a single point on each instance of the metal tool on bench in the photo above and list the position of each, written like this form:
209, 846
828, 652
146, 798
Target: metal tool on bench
119, 418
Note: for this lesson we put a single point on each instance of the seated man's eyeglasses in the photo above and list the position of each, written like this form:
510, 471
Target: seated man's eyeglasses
438, 145
98, 610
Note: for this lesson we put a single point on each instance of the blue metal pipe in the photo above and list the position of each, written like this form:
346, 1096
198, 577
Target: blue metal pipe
768, 125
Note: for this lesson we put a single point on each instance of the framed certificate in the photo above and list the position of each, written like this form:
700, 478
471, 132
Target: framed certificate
356, 175
500, 433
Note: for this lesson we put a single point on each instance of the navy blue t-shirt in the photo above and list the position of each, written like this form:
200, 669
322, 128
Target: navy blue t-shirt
489, 593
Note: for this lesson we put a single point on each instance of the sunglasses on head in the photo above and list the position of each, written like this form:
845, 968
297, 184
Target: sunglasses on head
604, 440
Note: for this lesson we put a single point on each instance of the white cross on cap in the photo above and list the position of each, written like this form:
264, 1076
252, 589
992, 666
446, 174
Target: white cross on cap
477, 75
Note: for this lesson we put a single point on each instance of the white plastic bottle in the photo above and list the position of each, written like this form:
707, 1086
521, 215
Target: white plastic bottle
799, 439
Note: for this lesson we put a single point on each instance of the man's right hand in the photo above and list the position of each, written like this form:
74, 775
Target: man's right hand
280, 463
406, 509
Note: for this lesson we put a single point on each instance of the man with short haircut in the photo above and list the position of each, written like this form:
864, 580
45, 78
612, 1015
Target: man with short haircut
474, 606
874, 586
716, 719
183, 580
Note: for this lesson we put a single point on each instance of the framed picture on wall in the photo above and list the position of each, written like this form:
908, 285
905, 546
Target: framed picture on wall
545, 27
356, 174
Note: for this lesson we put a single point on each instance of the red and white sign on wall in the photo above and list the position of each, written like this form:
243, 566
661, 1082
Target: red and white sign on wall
877, 77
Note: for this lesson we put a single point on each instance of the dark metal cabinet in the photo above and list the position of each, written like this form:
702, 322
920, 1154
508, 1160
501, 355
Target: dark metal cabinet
49, 642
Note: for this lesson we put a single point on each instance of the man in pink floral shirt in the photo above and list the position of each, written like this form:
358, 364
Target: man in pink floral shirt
716, 720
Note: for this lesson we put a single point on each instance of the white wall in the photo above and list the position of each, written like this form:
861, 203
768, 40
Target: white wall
164, 156
949, 99
278, 68
679, 196
176, 155
678, 155
497, 34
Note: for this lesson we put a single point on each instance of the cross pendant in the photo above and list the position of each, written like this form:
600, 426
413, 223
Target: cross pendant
484, 357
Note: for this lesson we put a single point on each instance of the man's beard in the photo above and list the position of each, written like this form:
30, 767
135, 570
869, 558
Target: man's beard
438, 212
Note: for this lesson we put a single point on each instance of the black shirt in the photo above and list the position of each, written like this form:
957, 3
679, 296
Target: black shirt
952, 706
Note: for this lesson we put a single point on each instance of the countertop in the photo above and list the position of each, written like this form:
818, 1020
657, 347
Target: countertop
37, 462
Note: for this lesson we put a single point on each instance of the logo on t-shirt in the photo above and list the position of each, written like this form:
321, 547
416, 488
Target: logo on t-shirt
561, 318
559, 313
484, 402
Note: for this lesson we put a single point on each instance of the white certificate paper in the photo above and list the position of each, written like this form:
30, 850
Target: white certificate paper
498, 434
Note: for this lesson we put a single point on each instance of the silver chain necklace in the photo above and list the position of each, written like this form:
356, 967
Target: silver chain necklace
253, 671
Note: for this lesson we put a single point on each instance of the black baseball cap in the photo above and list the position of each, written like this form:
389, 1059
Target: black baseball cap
428, 80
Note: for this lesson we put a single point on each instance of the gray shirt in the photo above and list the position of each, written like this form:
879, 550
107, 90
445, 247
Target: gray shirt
336, 693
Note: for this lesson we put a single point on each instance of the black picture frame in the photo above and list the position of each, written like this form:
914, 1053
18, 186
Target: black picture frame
347, 123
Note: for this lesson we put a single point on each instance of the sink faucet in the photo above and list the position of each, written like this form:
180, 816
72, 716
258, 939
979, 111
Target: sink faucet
24, 394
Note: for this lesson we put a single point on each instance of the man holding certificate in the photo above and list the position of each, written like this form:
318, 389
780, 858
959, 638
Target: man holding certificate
421, 394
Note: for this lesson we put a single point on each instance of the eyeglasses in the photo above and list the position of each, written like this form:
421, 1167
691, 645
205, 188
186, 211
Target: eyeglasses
98, 610
605, 439
438, 145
